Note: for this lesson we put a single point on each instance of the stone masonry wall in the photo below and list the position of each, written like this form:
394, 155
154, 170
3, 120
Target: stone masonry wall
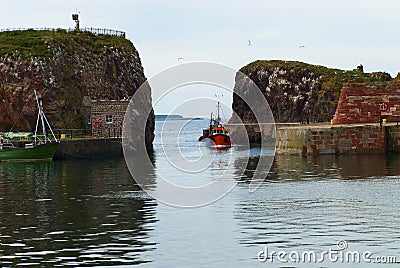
359, 102
332, 140
89, 148
392, 138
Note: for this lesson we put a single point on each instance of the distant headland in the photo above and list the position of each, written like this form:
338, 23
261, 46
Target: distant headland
164, 117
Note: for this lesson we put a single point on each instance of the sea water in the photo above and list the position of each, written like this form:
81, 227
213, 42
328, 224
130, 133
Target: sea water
308, 212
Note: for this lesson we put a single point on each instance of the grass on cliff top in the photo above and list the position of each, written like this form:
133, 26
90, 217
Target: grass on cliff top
28, 43
329, 74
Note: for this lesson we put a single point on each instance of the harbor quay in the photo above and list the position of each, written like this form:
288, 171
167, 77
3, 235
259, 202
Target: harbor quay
338, 139
324, 138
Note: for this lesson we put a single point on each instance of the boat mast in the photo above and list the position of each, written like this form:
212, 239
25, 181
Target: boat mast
36, 129
51, 130
42, 118
218, 96
218, 117
39, 118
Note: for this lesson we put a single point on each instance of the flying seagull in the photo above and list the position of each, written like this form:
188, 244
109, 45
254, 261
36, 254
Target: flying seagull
249, 42
300, 47
180, 58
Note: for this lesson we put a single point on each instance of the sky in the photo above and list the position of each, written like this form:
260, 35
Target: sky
336, 33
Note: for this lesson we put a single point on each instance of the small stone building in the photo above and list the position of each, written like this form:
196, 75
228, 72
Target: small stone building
105, 118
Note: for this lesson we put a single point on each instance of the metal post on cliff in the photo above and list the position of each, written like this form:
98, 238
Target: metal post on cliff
75, 17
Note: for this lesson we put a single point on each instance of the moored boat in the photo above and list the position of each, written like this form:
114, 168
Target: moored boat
217, 135
42, 148
29, 153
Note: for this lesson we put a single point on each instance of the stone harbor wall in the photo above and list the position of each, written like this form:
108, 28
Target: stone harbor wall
89, 149
392, 138
360, 102
351, 139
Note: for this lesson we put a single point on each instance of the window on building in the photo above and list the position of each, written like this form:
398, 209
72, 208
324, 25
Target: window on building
109, 119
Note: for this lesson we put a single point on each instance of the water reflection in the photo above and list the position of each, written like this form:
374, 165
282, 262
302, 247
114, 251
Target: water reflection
75, 213
312, 203
364, 166
292, 168
142, 169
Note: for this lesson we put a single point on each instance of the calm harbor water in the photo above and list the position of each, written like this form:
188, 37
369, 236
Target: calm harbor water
91, 213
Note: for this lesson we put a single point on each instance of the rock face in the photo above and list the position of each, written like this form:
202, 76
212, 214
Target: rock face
297, 92
66, 69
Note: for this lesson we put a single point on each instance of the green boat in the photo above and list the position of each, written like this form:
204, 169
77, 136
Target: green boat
42, 148
36, 152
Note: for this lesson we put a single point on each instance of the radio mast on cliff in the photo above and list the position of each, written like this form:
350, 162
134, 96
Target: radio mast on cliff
75, 17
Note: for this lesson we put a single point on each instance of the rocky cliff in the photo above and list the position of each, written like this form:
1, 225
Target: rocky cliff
297, 91
66, 69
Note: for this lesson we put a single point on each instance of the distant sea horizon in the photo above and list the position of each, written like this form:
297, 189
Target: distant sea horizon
163, 117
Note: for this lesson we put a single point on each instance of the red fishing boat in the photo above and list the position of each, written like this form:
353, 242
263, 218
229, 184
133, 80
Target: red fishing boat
216, 135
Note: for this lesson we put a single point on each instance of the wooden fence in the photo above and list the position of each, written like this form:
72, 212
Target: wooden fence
96, 31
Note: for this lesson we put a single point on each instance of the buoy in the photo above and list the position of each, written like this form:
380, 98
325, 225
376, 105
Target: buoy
97, 123
383, 106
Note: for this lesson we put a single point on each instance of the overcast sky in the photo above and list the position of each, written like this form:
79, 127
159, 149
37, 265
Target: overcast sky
335, 33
